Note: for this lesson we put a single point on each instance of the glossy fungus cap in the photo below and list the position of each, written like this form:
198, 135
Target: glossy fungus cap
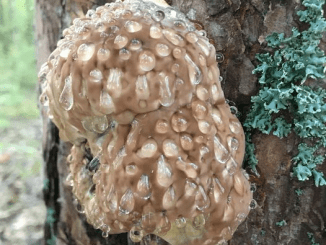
135, 87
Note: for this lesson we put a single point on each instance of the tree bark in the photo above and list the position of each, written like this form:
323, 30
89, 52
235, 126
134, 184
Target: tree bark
235, 26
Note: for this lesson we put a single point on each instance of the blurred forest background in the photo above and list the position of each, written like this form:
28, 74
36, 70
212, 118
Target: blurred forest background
17, 61
22, 210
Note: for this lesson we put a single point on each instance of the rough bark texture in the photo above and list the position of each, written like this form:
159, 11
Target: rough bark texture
235, 26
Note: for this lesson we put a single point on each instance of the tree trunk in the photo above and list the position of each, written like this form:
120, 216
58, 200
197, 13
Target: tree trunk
235, 26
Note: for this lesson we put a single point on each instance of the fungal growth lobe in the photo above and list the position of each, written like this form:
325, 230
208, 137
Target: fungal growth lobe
135, 88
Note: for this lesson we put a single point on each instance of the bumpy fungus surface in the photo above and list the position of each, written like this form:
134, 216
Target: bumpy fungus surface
135, 87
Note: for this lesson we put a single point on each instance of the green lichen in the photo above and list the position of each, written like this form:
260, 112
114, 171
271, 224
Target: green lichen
299, 192
285, 103
50, 219
312, 238
281, 223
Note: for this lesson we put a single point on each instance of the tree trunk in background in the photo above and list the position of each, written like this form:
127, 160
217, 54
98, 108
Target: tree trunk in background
235, 26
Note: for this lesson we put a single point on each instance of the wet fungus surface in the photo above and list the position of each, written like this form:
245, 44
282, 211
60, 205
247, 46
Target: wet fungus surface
135, 87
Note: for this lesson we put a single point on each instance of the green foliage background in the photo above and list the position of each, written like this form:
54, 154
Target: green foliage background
18, 97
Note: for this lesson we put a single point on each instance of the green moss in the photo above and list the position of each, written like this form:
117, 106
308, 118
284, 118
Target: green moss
283, 91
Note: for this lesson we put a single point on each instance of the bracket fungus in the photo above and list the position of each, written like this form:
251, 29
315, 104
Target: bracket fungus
135, 88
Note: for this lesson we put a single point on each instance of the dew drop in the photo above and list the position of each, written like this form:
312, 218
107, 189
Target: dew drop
135, 44
136, 234
161, 126
170, 148
162, 49
191, 37
100, 26
142, 89
112, 199
221, 153
158, 15
114, 82
191, 170
217, 118
204, 46
171, 36
201, 200
253, 187
253, 204
199, 109
79, 207
127, 202
163, 225
124, 54
144, 187
148, 149
119, 158
187, 142
175, 68
219, 57
66, 98
106, 103
204, 126
179, 123
133, 134
177, 53
103, 54
155, 32
96, 75
146, 61
218, 189
131, 169
231, 166
202, 93
166, 95
195, 75
215, 93
233, 143
180, 222
164, 173
235, 127
85, 51
180, 25
120, 42
191, 188
133, 26
169, 198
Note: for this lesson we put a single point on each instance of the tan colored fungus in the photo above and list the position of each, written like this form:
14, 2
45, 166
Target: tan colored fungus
135, 87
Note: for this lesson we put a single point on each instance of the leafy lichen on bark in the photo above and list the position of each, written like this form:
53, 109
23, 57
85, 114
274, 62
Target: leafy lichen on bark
285, 102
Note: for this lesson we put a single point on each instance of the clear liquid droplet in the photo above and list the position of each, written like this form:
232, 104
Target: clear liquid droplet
146, 61
114, 82
193, 70
142, 89
169, 198
164, 173
133, 26
166, 95
127, 202
66, 98
144, 187
85, 51
221, 153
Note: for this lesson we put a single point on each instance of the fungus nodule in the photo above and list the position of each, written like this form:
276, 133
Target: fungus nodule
135, 87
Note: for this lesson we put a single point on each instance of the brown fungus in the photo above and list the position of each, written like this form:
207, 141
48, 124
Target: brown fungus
135, 87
